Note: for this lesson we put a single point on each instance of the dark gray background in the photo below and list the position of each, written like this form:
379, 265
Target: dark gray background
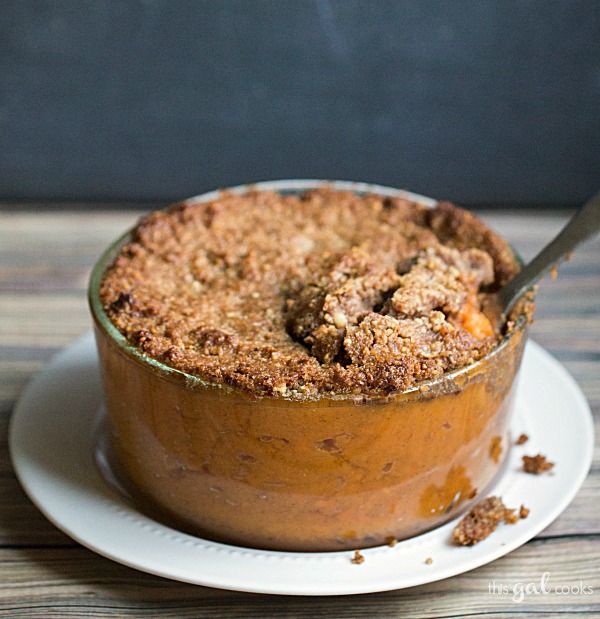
477, 101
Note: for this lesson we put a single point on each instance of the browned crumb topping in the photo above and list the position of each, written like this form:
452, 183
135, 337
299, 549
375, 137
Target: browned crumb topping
428, 561
358, 558
523, 512
522, 439
536, 465
327, 293
391, 541
482, 520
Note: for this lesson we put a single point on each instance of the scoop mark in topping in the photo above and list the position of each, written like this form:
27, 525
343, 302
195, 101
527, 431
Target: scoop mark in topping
341, 317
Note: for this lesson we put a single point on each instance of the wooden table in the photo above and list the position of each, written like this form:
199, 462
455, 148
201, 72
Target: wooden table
45, 259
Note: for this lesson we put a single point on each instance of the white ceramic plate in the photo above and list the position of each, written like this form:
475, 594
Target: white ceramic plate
51, 443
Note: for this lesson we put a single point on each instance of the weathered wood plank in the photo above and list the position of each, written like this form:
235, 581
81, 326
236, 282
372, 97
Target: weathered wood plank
73, 581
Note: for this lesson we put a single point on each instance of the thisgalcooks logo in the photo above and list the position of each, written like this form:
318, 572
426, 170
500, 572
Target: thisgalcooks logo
520, 590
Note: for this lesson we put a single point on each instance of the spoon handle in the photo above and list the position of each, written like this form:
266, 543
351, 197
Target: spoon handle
585, 223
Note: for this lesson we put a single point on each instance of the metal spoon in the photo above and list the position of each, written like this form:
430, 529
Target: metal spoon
584, 224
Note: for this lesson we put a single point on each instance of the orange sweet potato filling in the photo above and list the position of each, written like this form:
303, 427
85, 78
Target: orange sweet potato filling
475, 321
